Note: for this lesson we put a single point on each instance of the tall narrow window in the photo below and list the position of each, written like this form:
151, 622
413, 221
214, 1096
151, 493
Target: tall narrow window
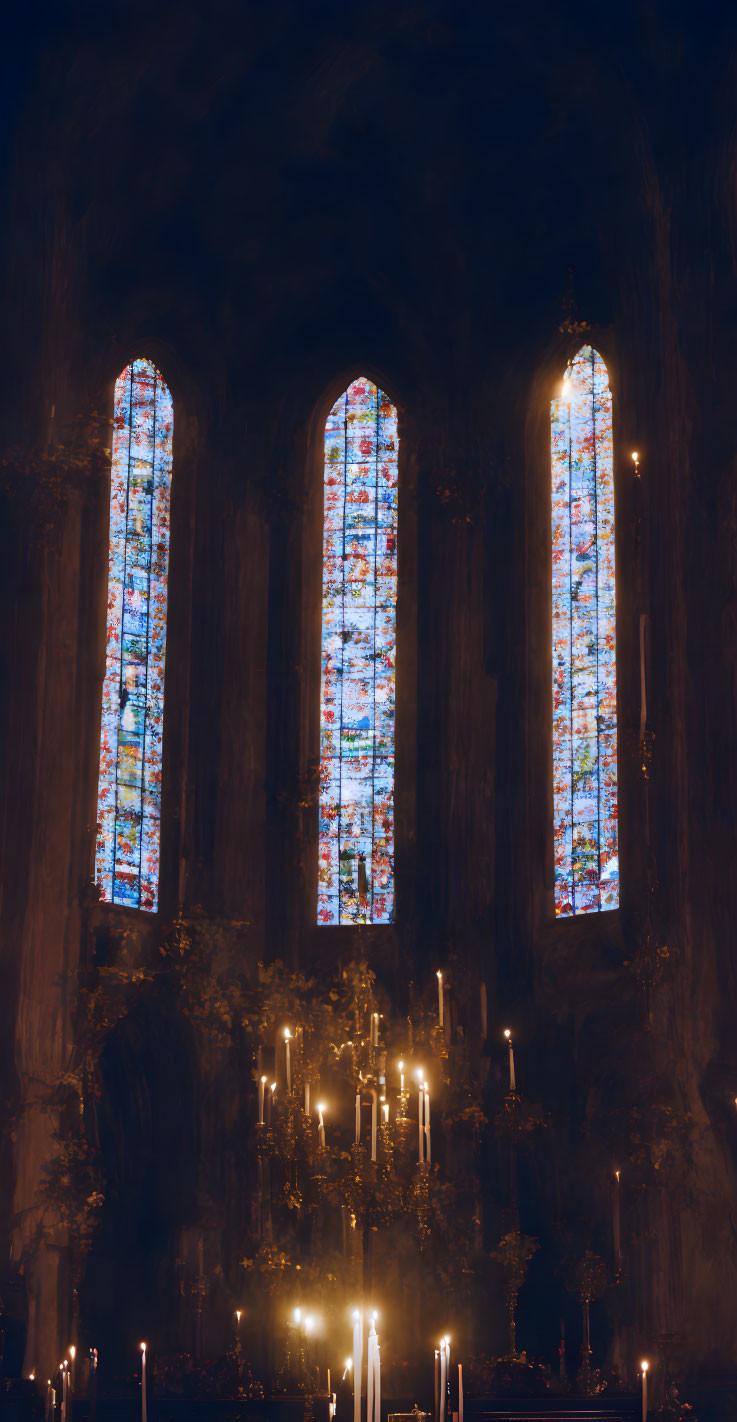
584, 650
129, 794
359, 594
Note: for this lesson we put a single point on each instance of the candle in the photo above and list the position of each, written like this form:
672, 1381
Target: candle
437, 1385
428, 1153
357, 1363
63, 1367
377, 1382
261, 1086
374, 1115
321, 1127
370, 1373
643, 1368
307, 1098
72, 1355
287, 1060
401, 1078
143, 1382
447, 1376
512, 1079
358, 1117
329, 1392
420, 1114
440, 999
442, 1380
460, 1392
617, 1223
385, 1112
50, 1401
376, 1029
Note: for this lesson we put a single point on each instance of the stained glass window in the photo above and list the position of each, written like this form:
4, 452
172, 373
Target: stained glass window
584, 650
359, 594
129, 793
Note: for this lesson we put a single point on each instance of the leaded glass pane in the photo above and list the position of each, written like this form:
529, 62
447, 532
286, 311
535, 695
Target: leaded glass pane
129, 792
359, 594
584, 651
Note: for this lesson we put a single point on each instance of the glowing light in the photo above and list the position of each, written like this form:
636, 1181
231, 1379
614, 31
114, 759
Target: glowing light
263, 1078
635, 455
297, 1315
321, 1107
348, 1363
129, 784
359, 594
309, 1323
585, 800
72, 1352
273, 1086
356, 1315
143, 1347
287, 1034
508, 1034
644, 1365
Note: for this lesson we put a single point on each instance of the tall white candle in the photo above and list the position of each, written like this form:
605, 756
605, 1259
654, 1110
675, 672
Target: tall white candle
321, 1126
50, 1401
385, 1112
428, 1151
72, 1355
370, 1373
643, 1369
401, 1078
374, 1119
261, 1090
357, 1363
420, 1114
307, 1098
143, 1382
358, 1117
617, 1222
441, 1004
460, 1392
377, 1382
442, 1380
512, 1079
437, 1385
447, 1374
287, 1060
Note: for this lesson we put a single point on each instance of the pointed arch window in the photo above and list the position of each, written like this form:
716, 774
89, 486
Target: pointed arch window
359, 595
584, 642
129, 787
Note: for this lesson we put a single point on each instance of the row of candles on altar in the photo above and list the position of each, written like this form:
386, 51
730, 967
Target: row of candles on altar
443, 1412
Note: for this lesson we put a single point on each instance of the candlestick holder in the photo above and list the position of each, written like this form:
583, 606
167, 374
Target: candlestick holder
588, 1277
514, 1252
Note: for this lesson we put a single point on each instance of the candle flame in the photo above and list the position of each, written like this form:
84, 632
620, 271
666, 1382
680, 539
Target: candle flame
143, 1347
635, 455
287, 1034
419, 1074
72, 1352
297, 1315
401, 1068
356, 1315
321, 1107
507, 1033
273, 1086
644, 1365
349, 1362
439, 975
616, 1175
238, 1314
263, 1079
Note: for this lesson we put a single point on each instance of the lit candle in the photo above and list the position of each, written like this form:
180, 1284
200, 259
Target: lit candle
420, 1113
321, 1125
437, 1385
261, 1086
374, 1117
307, 1098
287, 1060
376, 1029
72, 1355
272, 1094
50, 1401
358, 1117
64, 1382
428, 1151
512, 1080
357, 1363
440, 999
643, 1368
401, 1078
617, 1223
143, 1382
443, 1362
385, 1110
238, 1324
460, 1392
377, 1382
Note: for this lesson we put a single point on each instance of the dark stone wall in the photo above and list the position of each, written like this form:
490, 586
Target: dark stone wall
267, 201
